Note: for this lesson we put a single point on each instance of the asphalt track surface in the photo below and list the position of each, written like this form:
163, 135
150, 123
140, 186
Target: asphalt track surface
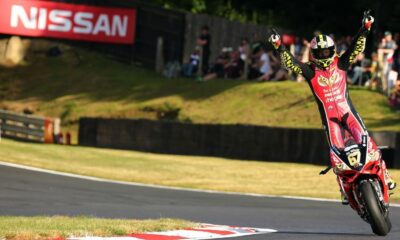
30, 193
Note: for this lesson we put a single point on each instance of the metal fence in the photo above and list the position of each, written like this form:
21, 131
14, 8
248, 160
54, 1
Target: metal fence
224, 33
28, 127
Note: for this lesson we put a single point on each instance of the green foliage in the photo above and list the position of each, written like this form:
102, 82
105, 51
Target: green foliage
199, 6
228, 9
300, 17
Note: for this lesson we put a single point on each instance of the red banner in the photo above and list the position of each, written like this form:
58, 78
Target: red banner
67, 21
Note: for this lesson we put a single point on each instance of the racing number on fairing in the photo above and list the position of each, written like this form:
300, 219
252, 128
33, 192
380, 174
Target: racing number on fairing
354, 158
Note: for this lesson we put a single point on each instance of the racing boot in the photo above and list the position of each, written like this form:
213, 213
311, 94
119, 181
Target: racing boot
343, 196
345, 201
389, 180
391, 183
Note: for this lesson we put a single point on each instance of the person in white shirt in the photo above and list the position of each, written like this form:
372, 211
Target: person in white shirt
265, 66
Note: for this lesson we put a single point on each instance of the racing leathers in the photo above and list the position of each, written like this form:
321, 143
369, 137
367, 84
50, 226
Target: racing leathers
328, 84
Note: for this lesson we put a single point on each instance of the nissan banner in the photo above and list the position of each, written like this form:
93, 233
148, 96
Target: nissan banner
67, 21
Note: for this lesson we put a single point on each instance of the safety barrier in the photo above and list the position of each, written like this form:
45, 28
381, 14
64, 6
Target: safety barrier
28, 127
230, 140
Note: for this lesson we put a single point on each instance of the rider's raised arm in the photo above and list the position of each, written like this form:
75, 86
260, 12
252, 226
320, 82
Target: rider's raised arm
358, 44
288, 60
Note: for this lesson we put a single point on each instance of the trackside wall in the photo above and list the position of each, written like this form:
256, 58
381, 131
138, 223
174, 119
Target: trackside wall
231, 141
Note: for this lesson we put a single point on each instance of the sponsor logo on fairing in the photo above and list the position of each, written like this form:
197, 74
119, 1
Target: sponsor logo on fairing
69, 21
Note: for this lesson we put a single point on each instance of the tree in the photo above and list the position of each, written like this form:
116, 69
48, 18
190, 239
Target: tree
341, 17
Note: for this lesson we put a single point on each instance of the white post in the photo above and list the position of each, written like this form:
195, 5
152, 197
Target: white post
56, 127
160, 55
246, 66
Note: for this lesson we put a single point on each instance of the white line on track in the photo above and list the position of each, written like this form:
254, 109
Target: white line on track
165, 187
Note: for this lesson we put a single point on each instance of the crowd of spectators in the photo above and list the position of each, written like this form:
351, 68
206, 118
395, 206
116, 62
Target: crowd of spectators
255, 60
252, 60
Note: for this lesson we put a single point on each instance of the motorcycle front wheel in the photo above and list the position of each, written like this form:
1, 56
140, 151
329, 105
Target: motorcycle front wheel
378, 218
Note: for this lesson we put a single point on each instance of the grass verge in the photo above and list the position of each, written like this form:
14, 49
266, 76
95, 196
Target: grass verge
42, 227
179, 171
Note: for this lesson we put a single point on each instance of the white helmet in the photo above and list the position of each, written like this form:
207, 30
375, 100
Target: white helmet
323, 50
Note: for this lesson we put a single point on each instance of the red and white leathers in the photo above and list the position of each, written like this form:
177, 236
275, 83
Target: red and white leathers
337, 112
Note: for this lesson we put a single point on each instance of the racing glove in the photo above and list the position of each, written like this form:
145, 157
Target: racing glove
275, 39
366, 24
367, 20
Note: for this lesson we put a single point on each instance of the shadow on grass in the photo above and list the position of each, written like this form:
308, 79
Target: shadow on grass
296, 103
100, 78
381, 123
386, 122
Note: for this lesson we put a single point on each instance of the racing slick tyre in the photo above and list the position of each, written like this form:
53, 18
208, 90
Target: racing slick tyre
378, 219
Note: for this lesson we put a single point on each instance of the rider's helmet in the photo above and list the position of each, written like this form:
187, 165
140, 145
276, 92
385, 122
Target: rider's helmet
323, 50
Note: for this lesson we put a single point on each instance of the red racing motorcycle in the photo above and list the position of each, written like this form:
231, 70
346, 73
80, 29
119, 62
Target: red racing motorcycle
363, 181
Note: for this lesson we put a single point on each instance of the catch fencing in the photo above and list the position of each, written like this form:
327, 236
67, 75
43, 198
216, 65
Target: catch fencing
224, 33
28, 127
232, 141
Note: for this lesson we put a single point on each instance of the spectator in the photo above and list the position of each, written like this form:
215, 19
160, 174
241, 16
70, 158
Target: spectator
260, 68
253, 68
244, 49
298, 45
234, 68
303, 56
278, 72
396, 55
204, 41
394, 98
265, 67
245, 55
228, 65
357, 70
256, 43
386, 51
341, 46
218, 70
192, 66
305, 51
374, 69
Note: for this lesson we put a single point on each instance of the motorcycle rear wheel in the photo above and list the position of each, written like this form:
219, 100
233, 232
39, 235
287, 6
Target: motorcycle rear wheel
378, 219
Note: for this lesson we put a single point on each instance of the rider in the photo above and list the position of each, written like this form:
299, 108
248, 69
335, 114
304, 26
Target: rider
326, 76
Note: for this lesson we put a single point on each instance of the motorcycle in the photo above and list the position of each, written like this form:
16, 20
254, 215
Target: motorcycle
363, 181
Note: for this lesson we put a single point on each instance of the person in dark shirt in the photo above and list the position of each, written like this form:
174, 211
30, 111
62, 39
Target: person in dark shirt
234, 69
204, 40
